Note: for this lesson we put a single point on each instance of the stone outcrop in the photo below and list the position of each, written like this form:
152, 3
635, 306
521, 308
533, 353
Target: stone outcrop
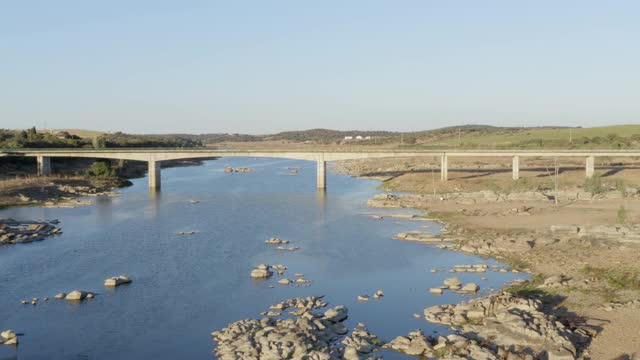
506, 321
230, 169
8, 337
306, 335
20, 232
418, 236
77, 295
117, 281
261, 271
275, 241
454, 346
620, 233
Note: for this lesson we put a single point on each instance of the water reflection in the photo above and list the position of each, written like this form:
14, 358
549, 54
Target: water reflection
152, 208
104, 210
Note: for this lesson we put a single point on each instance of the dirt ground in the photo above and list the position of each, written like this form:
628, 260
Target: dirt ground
604, 270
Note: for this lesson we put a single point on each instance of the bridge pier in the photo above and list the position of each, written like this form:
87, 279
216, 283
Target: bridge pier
154, 175
322, 174
44, 165
516, 167
444, 168
590, 166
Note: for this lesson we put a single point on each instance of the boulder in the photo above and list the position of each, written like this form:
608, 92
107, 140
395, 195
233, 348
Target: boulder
76, 295
336, 314
117, 281
453, 283
60, 296
437, 291
8, 334
261, 271
470, 288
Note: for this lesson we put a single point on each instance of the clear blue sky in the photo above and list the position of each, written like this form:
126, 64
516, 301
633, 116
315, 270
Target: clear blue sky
265, 66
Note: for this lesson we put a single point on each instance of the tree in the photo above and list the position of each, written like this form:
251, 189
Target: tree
99, 142
101, 169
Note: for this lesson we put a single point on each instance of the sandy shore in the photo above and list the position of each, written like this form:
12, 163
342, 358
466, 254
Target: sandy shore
581, 250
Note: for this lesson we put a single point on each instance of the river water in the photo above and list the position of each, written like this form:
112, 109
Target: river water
185, 287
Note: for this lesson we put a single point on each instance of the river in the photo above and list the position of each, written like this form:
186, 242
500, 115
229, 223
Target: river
185, 287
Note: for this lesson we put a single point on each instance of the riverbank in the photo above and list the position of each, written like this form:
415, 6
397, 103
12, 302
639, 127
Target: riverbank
579, 246
20, 187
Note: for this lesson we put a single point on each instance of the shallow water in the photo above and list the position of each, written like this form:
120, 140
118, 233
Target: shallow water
187, 286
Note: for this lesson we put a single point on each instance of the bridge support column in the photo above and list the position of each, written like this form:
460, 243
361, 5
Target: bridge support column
444, 168
322, 174
590, 166
44, 165
516, 167
154, 175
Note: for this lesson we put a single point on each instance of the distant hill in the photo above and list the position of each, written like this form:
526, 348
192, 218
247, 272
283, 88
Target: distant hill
78, 132
465, 136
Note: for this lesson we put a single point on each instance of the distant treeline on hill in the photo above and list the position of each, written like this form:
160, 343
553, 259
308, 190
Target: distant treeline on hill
458, 137
324, 136
31, 138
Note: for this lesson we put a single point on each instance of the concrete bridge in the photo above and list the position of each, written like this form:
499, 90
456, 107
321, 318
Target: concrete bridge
155, 156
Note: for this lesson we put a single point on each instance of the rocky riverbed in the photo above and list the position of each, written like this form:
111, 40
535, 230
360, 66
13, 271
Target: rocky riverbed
498, 326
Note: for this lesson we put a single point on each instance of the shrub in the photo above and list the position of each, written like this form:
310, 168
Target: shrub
101, 169
623, 215
594, 184
621, 186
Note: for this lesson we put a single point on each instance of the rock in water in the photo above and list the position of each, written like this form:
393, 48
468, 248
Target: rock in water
336, 314
117, 280
306, 335
470, 288
261, 271
453, 283
76, 295
8, 334
60, 296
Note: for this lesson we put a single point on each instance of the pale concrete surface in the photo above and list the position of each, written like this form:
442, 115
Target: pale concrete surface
155, 156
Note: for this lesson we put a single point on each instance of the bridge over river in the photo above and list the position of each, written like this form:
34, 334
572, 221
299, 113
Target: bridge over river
154, 157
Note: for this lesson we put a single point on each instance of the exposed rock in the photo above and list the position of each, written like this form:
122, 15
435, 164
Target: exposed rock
76, 295
437, 291
22, 232
453, 283
8, 334
362, 298
336, 314
284, 281
276, 241
307, 335
230, 169
60, 296
362, 341
470, 288
8, 337
508, 321
415, 344
279, 267
117, 281
261, 271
